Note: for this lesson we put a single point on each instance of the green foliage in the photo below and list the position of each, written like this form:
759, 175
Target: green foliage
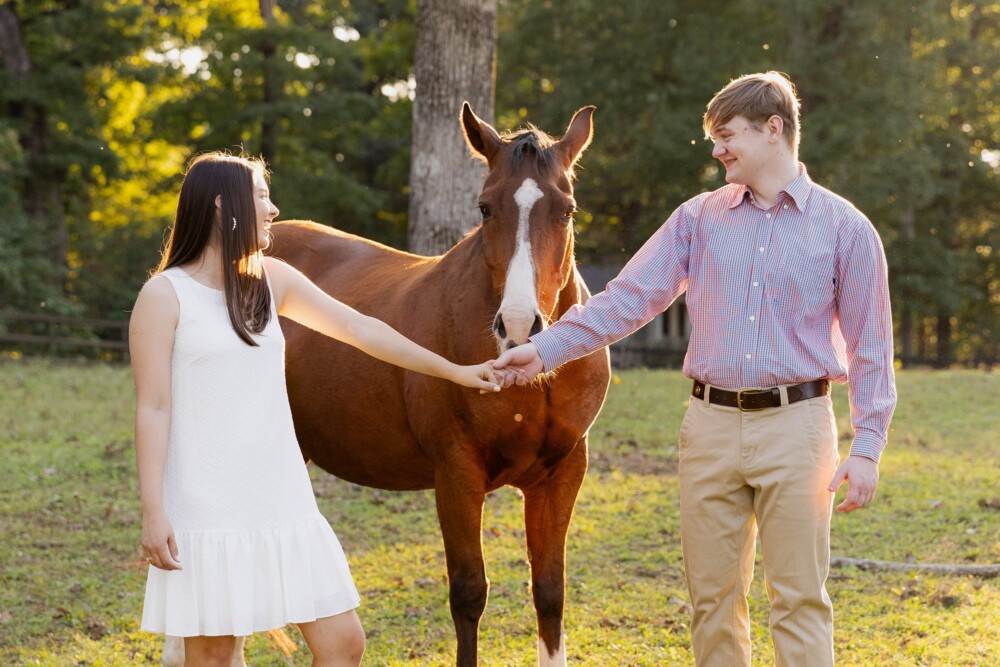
339, 137
119, 95
53, 129
898, 109
72, 581
26, 276
899, 116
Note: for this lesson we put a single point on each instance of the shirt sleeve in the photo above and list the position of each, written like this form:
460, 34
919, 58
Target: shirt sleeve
648, 284
866, 323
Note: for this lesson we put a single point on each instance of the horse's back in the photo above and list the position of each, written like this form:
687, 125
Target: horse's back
320, 251
362, 273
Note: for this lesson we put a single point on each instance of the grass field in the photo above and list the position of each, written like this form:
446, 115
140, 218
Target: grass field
71, 580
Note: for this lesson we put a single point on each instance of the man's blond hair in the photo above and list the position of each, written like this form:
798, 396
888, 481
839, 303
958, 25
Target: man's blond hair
756, 97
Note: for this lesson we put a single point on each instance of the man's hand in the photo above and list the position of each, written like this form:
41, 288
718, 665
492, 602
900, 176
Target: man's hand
519, 364
861, 475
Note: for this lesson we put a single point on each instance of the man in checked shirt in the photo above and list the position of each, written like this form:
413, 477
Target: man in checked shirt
787, 292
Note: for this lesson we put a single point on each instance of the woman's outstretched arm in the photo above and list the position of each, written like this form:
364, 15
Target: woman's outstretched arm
301, 300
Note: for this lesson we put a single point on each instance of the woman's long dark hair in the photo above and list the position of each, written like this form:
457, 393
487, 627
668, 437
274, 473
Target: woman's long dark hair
230, 178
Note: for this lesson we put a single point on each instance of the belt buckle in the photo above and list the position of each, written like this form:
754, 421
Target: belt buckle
739, 399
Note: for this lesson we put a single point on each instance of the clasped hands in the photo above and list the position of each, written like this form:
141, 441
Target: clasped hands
518, 365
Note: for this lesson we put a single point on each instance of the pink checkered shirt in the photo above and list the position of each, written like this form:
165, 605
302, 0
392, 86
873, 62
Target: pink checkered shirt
794, 293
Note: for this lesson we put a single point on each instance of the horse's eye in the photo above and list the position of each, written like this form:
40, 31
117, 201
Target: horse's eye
485, 210
568, 215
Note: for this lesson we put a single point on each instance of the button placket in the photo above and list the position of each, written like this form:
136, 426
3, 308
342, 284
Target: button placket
766, 231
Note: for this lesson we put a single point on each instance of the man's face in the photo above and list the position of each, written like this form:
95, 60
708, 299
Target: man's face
743, 150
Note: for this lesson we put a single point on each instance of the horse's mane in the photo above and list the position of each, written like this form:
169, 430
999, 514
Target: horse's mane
532, 144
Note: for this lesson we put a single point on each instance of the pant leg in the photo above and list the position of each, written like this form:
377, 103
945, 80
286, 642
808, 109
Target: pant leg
718, 534
793, 458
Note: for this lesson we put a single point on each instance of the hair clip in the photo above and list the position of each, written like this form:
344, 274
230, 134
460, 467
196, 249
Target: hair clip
234, 223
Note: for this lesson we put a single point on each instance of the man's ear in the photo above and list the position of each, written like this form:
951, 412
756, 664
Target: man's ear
218, 202
775, 128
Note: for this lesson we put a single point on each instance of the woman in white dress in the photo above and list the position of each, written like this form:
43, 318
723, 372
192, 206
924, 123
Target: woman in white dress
230, 523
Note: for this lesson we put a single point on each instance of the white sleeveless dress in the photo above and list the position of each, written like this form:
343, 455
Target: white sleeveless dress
256, 552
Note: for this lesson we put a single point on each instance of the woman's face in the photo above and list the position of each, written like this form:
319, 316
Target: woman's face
264, 208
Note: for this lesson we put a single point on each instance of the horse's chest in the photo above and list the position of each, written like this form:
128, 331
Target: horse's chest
552, 423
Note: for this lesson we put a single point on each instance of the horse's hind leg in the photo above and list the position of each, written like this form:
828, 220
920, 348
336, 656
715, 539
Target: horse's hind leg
238, 659
173, 652
548, 508
459, 496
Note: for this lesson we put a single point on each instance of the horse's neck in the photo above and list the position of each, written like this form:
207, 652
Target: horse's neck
573, 292
464, 290
465, 262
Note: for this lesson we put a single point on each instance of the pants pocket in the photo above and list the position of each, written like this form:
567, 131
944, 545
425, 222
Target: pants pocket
682, 437
822, 429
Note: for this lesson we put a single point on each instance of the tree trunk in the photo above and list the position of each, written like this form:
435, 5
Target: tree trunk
943, 357
272, 85
13, 52
921, 342
906, 325
906, 332
42, 183
454, 61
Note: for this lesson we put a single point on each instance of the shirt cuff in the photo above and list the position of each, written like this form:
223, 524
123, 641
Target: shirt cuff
548, 350
867, 444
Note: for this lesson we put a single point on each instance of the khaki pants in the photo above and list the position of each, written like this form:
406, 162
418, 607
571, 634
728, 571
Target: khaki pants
766, 471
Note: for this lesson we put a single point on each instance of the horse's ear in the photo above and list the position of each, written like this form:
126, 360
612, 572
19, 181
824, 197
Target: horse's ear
480, 135
577, 137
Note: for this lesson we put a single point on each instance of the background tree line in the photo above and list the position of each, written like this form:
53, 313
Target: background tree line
102, 102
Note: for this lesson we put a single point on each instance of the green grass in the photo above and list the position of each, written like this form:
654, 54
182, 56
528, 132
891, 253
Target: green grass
71, 580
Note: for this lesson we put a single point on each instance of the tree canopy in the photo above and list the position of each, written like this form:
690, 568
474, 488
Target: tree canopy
102, 103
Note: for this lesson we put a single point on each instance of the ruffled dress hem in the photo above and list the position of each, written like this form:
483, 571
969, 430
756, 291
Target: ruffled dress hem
241, 582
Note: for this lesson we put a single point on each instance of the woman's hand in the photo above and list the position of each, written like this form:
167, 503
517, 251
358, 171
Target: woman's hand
159, 547
519, 365
480, 376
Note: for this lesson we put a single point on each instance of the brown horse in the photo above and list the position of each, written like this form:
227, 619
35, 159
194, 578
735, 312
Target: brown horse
377, 425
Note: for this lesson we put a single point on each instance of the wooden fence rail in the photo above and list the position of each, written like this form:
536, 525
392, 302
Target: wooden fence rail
12, 327
18, 327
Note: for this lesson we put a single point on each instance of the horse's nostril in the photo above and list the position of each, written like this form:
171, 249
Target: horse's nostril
536, 326
511, 344
499, 327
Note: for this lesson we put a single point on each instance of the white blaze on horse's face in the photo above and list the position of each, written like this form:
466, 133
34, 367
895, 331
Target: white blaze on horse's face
519, 316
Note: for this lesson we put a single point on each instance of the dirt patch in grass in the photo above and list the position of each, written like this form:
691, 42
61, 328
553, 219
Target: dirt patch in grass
633, 462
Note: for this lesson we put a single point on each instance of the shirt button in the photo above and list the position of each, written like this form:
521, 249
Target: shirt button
752, 318
761, 248
768, 216
755, 284
785, 207
749, 355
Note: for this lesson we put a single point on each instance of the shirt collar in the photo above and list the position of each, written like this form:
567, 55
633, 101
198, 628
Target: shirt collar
798, 190
740, 192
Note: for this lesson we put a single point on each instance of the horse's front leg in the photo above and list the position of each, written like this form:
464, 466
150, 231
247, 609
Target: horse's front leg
548, 508
460, 492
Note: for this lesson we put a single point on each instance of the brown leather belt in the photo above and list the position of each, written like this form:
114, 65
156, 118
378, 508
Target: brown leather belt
756, 398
